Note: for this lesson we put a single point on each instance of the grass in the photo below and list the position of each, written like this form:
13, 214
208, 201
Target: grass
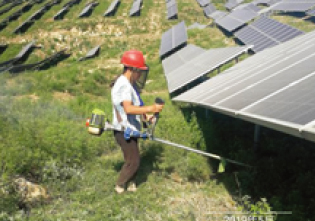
174, 184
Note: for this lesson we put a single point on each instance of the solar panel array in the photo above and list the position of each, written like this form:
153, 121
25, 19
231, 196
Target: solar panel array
191, 63
35, 16
112, 8
135, 9
232, 4
173, 38
41, 64
16, 14
293, 5
266, 32
236, 19
274, 88
88, 9
172, 11
13, 4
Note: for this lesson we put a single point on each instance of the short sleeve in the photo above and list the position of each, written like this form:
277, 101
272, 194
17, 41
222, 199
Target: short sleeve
120, 93
125, 93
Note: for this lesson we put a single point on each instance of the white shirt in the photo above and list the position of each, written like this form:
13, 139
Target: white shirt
124, 91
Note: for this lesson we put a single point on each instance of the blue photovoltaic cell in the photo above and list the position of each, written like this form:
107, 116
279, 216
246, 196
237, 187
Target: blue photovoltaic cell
265, 32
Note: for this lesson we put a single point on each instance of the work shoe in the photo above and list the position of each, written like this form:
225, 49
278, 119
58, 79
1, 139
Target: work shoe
119, 189
132, 187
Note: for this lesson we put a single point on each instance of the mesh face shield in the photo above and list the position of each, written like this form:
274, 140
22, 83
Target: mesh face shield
140, 83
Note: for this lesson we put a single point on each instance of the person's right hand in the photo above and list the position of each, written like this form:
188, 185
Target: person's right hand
156, 108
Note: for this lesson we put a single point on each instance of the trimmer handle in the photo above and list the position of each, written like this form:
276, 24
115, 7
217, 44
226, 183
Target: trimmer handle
158, 100
157, 115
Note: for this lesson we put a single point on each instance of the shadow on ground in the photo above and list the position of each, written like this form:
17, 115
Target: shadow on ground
150, 156
283, 165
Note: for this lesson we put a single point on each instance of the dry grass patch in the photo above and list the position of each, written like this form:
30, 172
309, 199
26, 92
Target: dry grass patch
63, 96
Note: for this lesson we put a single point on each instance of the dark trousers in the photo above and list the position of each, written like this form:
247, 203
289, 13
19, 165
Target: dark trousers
131, 154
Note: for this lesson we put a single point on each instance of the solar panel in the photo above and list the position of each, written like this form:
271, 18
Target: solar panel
209, 9
203, 3
23, 26
92, 53
20, 57
274, 88
189, 64
172, 11
178, 59
88, 9
25, 50
135, 9
248, 6
232, 4
236, 19
112, 8
265, 32
61, 13
66, 7
173, 38
293, 6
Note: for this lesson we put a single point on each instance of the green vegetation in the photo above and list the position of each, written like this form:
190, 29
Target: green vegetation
43, 138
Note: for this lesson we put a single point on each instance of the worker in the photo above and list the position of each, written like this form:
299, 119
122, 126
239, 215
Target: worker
128, 109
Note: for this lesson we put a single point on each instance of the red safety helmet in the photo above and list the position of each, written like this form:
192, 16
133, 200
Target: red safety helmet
134, 59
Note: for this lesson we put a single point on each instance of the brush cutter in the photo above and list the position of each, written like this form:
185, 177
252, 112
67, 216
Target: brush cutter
97, 125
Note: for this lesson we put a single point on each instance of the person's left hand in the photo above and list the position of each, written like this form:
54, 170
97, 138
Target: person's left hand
150, 117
